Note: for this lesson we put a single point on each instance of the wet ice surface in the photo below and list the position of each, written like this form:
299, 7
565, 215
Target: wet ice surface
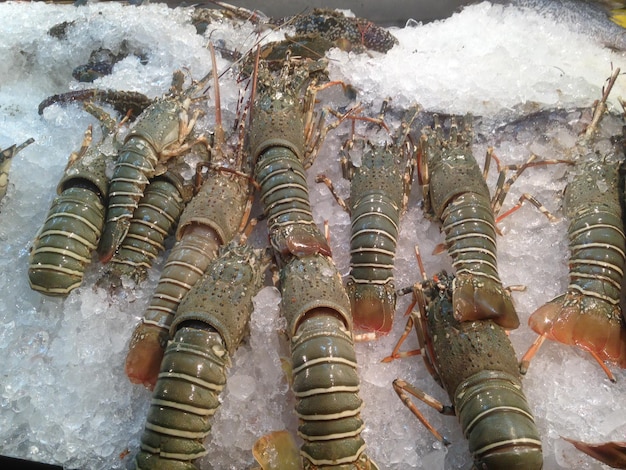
64, 398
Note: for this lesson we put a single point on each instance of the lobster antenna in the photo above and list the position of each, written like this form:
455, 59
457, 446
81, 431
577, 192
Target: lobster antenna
219, 130
255, 77
600, 107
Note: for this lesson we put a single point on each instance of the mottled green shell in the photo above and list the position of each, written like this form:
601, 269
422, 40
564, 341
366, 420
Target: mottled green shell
595, 184
278, 121
309, 283
90, 167
159, 124
220, 205
223, 297
453, 171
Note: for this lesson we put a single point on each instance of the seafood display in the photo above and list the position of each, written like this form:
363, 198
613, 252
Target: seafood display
227, 363
475, 363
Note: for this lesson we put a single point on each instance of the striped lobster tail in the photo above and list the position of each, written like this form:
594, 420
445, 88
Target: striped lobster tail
375, 220
497, 421
326, 383
193, 374
596, 241
469, 225
135, 165
63, 247
326, 386
285, 195
589, 315
156, 216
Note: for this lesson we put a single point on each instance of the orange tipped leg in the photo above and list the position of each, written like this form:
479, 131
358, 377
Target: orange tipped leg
145, 354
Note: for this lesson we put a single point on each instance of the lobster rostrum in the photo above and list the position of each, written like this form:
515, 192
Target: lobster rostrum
475, 363
161, 132
212, 218
314, 302
589, 315
64, 245
6, 158
379, 190
208, 328
455, 193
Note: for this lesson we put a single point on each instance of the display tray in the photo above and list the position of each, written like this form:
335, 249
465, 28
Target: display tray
528, 76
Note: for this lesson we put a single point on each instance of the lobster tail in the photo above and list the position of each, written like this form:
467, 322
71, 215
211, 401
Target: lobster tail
63, 247
375, 219
477, 298
590, 323
157, 214
135, 165
285, 196
497, 422
588, 315
469, 225
184, 400
326, 383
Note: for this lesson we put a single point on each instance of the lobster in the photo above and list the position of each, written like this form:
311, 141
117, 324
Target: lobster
209, 326
475, 363
347, 33
63, 246
455, 193
314, 302
6, 158
589, 315
379, 189
160, 133
212, 218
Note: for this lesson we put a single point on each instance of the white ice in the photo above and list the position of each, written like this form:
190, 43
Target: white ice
64, 398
